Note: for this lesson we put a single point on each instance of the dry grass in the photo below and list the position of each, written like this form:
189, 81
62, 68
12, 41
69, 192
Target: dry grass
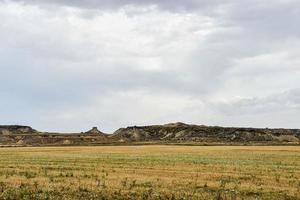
150, 172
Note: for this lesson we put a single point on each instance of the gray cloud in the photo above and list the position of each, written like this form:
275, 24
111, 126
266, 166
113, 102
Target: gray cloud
287, 100
280, 110
212, 62
176, 5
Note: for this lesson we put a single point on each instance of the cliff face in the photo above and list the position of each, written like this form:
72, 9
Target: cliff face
15, 129
185, 132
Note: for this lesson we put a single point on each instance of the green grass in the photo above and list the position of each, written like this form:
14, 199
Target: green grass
150, 172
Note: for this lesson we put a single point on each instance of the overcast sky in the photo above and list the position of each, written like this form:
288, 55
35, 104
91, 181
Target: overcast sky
68, 65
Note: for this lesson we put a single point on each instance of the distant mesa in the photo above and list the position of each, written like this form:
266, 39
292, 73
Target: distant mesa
16, 129
177, 132
200, 133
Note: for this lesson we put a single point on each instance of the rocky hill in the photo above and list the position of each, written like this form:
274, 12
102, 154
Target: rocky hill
15, 129
27, 136
168, 133
185, 132
95, 131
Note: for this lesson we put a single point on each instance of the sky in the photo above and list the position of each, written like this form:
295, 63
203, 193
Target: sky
68, 65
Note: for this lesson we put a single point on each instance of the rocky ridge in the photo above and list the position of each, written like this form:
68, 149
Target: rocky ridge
168, 133
200, 133
16, 129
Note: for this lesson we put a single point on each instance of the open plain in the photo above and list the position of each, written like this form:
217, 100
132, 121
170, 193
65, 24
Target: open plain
150, 172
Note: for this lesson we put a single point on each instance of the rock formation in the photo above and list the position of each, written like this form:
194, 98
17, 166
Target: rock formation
200, 133
94, 131
173, 132
15, 129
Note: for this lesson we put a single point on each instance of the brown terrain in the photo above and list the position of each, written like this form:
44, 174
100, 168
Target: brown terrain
169, 133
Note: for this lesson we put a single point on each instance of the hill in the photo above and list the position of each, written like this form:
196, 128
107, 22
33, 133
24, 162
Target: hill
168, 133
200, 133
16, 129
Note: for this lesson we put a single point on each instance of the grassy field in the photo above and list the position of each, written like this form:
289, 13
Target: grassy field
150, 172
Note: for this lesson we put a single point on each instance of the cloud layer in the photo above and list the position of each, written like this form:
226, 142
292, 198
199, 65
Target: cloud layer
68, 65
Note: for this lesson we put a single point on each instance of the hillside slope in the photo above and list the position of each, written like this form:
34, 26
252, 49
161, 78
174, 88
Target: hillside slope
200, 133
168, 133
16, 129
27, 136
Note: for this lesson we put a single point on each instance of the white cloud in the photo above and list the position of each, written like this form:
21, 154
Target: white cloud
68, 65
